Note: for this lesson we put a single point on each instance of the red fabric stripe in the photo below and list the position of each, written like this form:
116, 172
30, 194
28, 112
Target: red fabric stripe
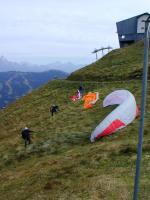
137, 112
111, 128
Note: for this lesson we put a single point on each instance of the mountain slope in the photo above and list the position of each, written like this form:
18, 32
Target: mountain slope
13, 85
120, 64
62, 163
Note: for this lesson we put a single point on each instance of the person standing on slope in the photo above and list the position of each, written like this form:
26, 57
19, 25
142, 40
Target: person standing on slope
81, 90
26, 135
54, 109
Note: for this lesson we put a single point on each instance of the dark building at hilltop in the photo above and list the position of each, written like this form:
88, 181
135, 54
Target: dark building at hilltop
131, 30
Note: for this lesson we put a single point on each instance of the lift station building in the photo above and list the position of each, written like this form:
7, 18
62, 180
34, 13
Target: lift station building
131, 30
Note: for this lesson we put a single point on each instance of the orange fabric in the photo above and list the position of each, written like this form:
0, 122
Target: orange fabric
88, 99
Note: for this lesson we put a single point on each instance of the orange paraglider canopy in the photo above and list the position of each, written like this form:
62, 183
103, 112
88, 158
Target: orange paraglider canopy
90, 99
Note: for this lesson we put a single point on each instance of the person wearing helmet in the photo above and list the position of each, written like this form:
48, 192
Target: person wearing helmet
26, 135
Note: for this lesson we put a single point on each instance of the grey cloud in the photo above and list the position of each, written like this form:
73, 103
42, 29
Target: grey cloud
64, 27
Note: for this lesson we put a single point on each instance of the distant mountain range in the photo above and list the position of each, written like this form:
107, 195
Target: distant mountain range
14, 85
6, 66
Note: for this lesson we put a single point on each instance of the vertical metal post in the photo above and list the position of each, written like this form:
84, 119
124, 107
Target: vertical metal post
96, 55
143, 104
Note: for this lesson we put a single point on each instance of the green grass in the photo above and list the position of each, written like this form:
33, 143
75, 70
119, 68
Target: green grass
120, 64
62, 163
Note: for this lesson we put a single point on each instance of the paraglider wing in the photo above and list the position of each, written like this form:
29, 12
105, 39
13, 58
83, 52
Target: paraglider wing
76, 97
120, 117
96, 98
90, 99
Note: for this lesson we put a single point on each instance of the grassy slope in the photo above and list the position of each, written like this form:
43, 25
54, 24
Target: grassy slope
62, 163
119, 64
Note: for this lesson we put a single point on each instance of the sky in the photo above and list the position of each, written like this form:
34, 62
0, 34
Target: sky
45, 31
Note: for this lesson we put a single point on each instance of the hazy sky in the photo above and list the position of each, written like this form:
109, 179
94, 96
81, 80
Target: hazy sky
42, 31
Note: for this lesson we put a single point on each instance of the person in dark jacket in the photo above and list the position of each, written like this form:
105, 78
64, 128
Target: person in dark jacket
54, 109
26, 135
81, 90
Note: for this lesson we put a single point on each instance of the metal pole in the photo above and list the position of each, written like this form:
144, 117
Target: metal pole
143, 104
96, 55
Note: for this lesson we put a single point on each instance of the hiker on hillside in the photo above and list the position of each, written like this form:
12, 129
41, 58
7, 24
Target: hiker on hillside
81, 90
54, 109
26, 135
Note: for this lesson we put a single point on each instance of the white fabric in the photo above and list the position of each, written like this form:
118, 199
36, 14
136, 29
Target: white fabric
79, 94
116, 97
125, 112
97, 97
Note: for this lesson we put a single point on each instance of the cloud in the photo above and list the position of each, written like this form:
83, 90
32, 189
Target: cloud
66, 28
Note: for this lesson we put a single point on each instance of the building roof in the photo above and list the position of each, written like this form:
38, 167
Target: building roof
137, 16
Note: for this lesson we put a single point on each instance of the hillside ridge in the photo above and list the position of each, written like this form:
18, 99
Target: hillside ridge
61, 163
119, 64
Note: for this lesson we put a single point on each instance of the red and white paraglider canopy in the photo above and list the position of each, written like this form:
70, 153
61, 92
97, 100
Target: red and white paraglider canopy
120, 117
